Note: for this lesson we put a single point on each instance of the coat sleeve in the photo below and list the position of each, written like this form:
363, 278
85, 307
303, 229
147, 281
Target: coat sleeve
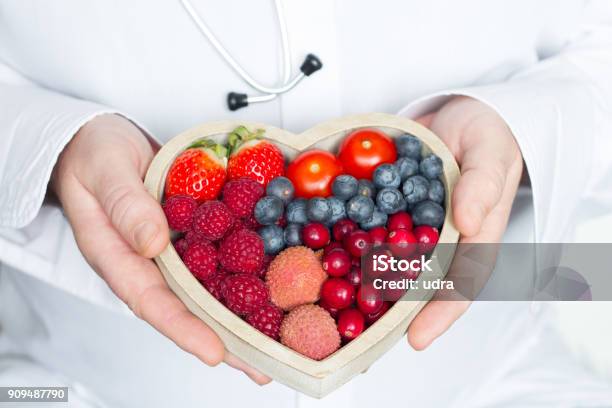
35, 125
560, 112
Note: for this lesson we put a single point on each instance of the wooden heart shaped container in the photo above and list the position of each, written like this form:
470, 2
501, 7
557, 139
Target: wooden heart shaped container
315, 378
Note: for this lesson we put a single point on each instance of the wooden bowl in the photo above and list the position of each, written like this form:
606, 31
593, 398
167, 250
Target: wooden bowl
315, 378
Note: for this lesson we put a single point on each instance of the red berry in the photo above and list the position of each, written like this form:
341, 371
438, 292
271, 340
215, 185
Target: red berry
402, 242
357, 242
264, 267
212, 220
354, 276
180, 246
315, 235
368, 268
342, 228
337, 262
241, 195
350, 324
331, 246
373, 317
399, 220
251, 223
244, 293
378, 236
337, 293
427, 238
356, 262
369, 299
192, 237
332, 311
242, 252
201, 259
179, 211
395, 293
267, 320
214, 284
198, 172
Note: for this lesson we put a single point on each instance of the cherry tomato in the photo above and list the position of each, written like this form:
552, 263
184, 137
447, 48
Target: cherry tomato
363, 150
312, 173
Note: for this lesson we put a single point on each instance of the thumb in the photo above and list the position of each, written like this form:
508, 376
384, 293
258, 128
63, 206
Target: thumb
133, 212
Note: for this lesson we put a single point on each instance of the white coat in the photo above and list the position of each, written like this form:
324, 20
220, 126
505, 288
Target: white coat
545, 66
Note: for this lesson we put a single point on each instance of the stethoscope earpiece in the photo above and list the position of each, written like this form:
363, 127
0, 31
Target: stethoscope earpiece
237, 100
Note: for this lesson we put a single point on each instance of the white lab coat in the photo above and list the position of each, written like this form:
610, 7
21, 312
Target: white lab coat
544, 66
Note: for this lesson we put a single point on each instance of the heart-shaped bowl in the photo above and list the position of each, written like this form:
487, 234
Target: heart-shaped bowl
315, 378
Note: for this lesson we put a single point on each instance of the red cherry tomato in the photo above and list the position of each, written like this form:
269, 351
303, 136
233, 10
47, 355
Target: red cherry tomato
363, 150
312, 173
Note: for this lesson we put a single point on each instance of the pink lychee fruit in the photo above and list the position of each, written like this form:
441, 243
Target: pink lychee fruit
295, 277
311, 331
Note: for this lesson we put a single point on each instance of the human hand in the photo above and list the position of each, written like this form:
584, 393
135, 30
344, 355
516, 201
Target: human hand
491, 167
118, 227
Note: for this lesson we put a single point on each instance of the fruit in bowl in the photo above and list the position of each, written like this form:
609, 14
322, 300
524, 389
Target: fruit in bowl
274, 231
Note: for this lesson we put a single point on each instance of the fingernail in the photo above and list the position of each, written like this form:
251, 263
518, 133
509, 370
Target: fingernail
144, 234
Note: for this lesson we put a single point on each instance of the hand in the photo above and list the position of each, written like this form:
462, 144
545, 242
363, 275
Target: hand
491, 167
119, 227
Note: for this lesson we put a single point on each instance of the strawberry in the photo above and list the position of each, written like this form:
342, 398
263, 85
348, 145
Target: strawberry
253, 157
199, 171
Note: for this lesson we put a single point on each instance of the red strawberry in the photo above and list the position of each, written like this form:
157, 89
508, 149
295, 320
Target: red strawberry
212, 220
199, 171
254, 157
244, 293
242, 252
201, 259
267, 320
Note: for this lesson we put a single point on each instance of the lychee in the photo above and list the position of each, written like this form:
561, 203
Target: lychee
295, 277
311, 331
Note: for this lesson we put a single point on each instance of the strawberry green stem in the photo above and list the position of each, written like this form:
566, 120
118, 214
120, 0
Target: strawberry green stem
218, 149
241, 135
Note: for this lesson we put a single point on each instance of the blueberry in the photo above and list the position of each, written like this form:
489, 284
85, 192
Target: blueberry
293, 234
431, 167
366, 188
378, 219
408, 146
360, 208
338, 210
407, 167
436, 191
415, 189
386, 175
344, 186
282, 188
390, 200
318, 210
273, 238
268, 210
296, 211
428, 213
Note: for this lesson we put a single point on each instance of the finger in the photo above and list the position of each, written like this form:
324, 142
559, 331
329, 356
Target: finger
435, 318
426, 120
480, 187
256, 376
138, 282
132, 211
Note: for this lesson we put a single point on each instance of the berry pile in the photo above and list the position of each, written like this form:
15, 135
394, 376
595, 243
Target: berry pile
283, 249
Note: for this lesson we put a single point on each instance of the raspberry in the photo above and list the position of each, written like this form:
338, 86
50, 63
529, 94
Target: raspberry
264, 267
241, 195
192, 237
267, 320
201, 259
180, 245
214, 284
251, 223
244, 293
212, 219
179, 211
242, 252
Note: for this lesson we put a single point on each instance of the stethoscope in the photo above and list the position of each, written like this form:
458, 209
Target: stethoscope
237, 100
